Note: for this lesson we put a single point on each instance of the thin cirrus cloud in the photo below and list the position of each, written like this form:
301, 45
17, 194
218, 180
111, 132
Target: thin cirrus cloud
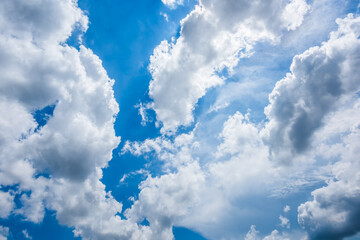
233, 184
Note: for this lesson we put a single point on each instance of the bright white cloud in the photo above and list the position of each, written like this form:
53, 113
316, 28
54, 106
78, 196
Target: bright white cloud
214, 36
37, 70
293, 14
7, 204
172, 3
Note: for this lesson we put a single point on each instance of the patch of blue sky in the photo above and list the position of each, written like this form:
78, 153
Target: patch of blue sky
43, 115
184, 233
49, 228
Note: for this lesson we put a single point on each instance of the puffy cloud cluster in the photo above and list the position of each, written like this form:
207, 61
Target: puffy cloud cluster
213, 37
320, 78
58, 164
317, 102
173, 153
334, 211
275, 235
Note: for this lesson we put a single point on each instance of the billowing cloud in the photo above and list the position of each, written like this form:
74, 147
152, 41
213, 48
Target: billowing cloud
213, 37
58, 164
303, 107
319, 79
334, 212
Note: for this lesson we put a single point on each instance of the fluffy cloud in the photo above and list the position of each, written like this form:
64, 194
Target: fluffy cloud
202, 195
6, 203
293, 14
173, 153
318, 103
38, 69
4, 232
253, 235
162, 201
319, 79
334, 211
213, 37
321, 85
172, 3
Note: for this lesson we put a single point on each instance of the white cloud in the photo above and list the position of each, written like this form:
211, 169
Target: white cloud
243, 170
214, 36
334, 211
284, 222
173, 153
37, 70
163, 200
7, 204
172, 3
253, 234
319, 79
4, 232
238, 135
26, 234
293, 14
287, 208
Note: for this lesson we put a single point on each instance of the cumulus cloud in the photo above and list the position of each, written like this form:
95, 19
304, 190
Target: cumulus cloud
165, 199
38, 69
213, 37
253, 234
172, 3
322, 81
334, 211
293, 14
4, 232
201, 196
173, 153
6, 203
319, 79
284, 221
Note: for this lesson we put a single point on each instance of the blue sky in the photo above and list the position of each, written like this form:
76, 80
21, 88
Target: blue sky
180, 119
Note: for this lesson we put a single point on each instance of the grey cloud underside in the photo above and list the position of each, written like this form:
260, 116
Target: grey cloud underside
319, 79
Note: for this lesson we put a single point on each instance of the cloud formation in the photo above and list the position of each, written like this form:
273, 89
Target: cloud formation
334, 211
319, 79
320, 89
213, 37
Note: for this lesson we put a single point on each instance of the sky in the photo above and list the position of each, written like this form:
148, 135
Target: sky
180, 119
